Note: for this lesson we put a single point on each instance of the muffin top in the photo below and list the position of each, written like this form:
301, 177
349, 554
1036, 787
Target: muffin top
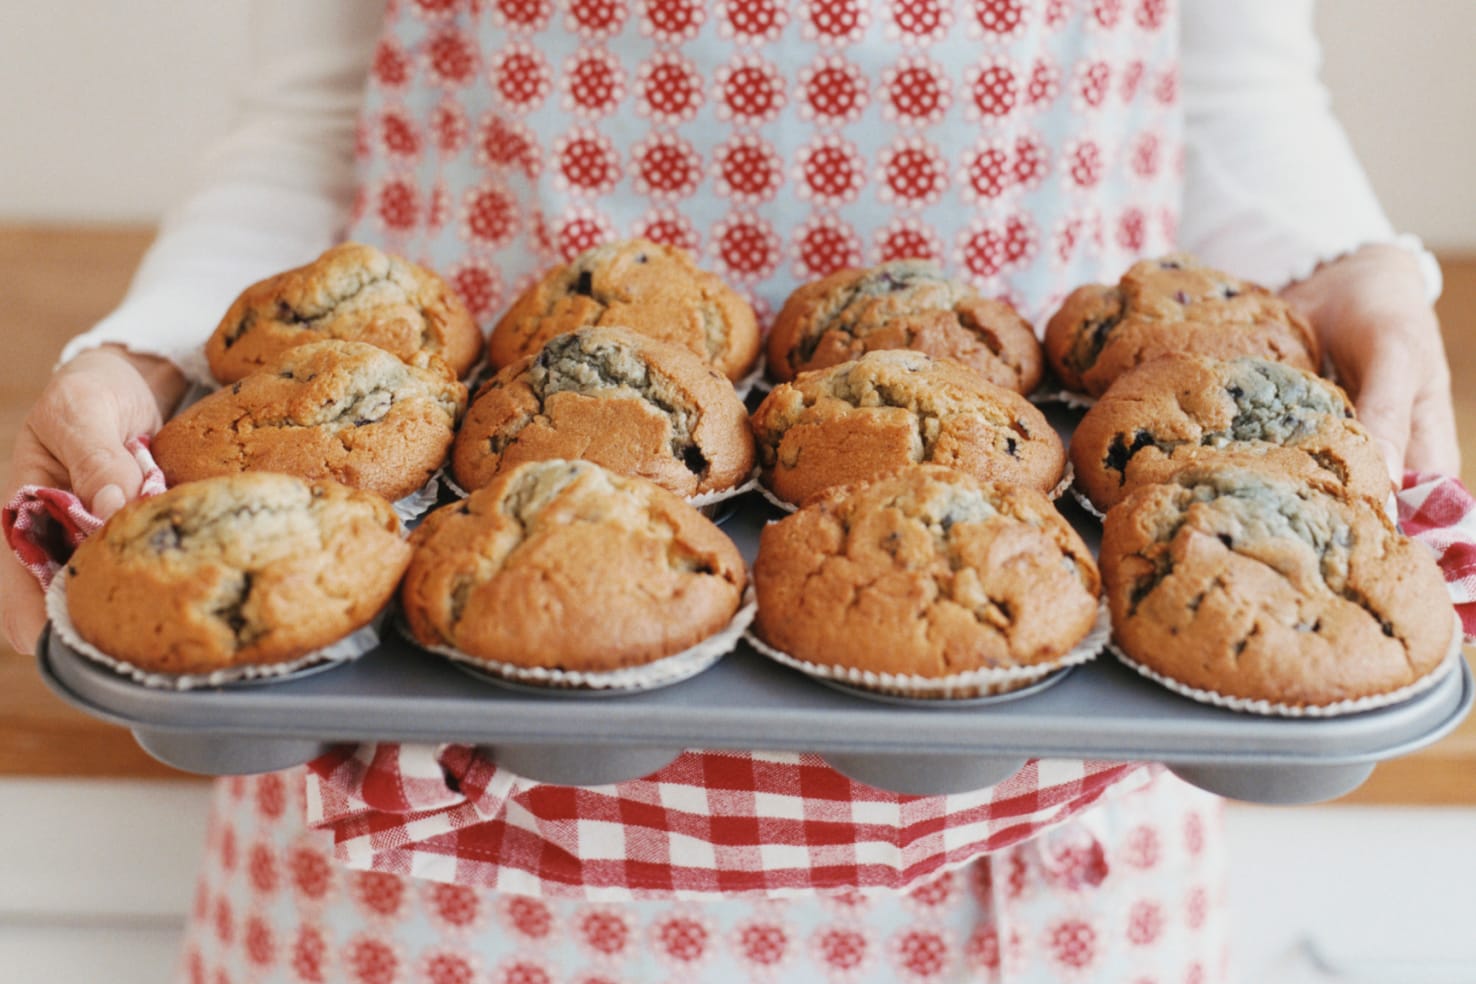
905, 304
1179, 411
630, 403
352, 292
565, 565
1253, 585
647, 287
926, 571
1171, 305
860, 420
244, 569
341, 410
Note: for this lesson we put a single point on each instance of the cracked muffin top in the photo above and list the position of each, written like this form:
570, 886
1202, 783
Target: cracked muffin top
926, 571
1184, 410
247, 569
565, 565
352, 292
630, 403
1253, 585
1173, 304
906, 304
652, 289
889, 409
341, 410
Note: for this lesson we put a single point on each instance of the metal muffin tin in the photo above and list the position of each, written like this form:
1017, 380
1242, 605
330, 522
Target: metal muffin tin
1101, 710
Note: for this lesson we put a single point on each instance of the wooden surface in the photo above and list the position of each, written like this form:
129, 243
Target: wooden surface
57, 281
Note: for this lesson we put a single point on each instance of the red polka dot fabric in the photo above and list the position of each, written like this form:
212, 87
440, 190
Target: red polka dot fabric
1133, 892
1028, 145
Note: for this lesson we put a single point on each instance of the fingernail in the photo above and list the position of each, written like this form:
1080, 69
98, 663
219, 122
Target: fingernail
109, 499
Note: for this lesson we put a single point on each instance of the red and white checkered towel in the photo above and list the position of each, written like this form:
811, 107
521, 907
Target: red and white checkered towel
711, 822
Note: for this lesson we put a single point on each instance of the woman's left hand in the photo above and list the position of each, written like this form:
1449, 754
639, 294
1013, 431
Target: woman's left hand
1369, 310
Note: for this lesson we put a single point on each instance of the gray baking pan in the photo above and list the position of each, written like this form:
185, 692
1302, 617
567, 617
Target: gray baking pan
1101, 711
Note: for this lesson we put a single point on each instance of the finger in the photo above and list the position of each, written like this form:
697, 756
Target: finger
25, 611
1433, 445
86, 432
1385, 400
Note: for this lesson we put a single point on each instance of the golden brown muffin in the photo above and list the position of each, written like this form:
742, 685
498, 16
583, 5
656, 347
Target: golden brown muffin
905, 304
928, 572
235, 571
352, 292
651, 289
1170, 305
341, 410
1179, 411
630, 403
562, 564
1252, 585
864, 419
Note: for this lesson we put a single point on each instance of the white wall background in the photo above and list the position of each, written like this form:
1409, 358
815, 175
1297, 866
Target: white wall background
106, 104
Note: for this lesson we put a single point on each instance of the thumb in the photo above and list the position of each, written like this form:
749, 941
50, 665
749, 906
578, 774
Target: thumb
85, 432
1384, 403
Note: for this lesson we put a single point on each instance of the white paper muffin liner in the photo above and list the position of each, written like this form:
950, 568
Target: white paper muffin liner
959, 686
629, 679
755, 378
1077, 401
345, 650
1067, 477
417, 503
1085, 503
1270, 708
707, 503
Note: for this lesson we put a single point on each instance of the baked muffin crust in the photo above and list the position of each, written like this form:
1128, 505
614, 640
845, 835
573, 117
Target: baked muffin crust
905, 304
565, 565
341, 410
1173, 304
1253, 585
630, 403
926, 571
861, 420
649, 288
244, 569
1179, 411
352, 292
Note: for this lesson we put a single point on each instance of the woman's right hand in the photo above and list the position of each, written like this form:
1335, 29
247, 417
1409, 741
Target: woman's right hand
73, 438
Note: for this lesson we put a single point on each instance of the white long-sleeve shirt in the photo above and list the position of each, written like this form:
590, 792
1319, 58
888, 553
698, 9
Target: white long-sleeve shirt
1271, 185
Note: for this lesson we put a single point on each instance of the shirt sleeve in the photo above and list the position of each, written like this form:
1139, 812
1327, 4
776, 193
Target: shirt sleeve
1272, 187
271, 194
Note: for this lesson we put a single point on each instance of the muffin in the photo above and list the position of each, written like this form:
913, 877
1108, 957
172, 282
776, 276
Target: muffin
906, 304
860, 420
352, 292
1179, 411
1171, 305
1258, 586
564, 565
630, 403
235, 571
341, 410
926, 572
651, 289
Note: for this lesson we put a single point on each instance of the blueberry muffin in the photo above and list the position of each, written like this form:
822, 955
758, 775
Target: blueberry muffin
928, 572
907, 304
352, 292
235, 571
651, 289
341, 410
564, 565
1179, 411
1171, 305
630, 403
1258, 586
889, 409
